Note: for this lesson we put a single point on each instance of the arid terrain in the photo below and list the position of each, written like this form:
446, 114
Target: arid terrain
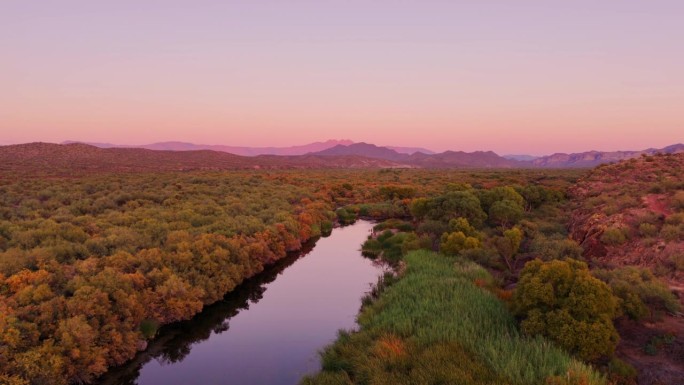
632, 214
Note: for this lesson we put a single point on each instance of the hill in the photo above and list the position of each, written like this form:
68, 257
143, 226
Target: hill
460, 159
643, 198
448, 159
364, 149
595, 158
56, 158
631, 214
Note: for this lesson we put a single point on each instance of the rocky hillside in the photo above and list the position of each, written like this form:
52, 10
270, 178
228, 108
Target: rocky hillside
632, 213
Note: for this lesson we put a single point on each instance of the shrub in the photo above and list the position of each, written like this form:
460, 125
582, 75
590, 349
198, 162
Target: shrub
454, 243
675, 219
394, 224
611, 209
149, 328
639, 291
655, 189
671, 233
677, 261
658, 342
562, 301
621, 373
434, 229
647, 230
414, 242
650, 217
613, 237
393, 246
550, 248
372, 248
326, 228
485, 257
461, 224
678, 200
345, 216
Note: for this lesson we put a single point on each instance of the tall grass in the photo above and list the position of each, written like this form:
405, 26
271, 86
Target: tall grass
436, 326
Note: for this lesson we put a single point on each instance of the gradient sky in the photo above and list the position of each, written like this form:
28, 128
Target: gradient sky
511, 76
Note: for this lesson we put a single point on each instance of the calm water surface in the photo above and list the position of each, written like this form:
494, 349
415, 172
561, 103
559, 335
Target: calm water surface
271, 328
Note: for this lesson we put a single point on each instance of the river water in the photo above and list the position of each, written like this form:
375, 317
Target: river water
270, 329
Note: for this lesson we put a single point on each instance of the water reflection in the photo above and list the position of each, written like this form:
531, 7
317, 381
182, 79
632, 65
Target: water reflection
259, 337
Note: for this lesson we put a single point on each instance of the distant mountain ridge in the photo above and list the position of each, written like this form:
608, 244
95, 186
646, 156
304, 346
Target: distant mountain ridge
364, 149
247, 151
169, 156
521, 157
595, 158
65, 159
447, 159
461, 159
489, 159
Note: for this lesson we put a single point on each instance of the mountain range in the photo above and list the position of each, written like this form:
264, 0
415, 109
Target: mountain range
447, 159
65, 159
594, 158
489, 159
249, 151
176, 156
412, 156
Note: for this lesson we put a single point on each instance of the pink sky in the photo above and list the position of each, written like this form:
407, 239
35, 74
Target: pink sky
520, 76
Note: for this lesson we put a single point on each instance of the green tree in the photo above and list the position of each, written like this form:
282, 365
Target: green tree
461, 224
451, 205
562, 301
454, 243
509, 244
419, 207
496, 194
505, 212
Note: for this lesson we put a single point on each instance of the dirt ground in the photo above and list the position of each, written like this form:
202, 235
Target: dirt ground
656, 350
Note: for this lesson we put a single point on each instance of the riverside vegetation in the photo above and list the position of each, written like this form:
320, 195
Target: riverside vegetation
505, 255
92, 265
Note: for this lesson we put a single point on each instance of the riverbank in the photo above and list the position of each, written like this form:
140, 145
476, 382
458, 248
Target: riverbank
270, 329
439, 324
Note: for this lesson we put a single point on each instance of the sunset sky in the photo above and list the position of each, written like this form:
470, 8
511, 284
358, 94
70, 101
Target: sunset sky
531, 77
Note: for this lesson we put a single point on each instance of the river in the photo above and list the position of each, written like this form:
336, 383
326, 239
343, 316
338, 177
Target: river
269, 330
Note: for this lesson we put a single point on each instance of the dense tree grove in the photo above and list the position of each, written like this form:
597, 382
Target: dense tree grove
88, 265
